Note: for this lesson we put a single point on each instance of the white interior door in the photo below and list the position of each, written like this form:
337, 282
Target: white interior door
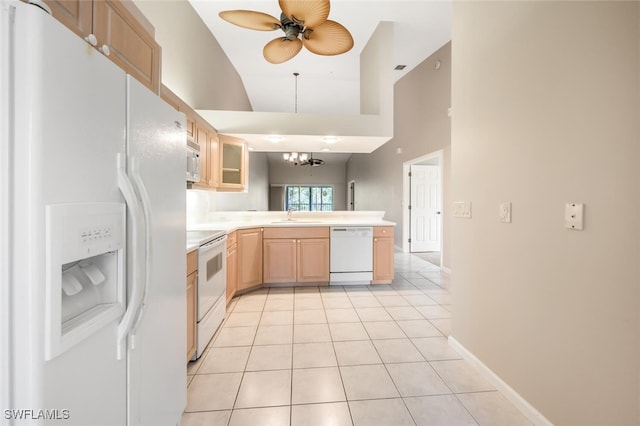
425, 208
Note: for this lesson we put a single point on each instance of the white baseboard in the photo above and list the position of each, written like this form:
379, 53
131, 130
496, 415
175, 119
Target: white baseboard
514, 397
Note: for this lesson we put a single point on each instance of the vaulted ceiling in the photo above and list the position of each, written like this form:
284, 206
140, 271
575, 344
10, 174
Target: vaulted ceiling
326, 84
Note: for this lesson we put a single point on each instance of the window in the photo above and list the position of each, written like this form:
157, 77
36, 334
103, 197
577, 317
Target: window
309, 198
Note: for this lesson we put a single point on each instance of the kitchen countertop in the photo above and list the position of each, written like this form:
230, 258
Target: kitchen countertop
232, 221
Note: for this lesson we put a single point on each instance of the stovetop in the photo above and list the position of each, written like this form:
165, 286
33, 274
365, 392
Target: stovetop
203, 237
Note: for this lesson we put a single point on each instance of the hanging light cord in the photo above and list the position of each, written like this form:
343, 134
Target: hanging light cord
296, 74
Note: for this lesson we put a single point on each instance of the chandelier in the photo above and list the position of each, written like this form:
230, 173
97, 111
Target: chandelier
301, 159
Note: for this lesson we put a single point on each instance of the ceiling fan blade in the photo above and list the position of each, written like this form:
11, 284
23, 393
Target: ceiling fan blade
328, 39
280, 50
312, 12
251, 19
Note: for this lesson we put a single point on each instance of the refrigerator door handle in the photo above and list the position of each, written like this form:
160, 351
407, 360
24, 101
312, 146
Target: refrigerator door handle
146, 210
137, 285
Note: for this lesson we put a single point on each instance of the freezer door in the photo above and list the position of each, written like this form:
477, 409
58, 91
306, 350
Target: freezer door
68, 125
156, 140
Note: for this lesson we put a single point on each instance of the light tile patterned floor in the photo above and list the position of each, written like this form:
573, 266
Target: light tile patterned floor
353, 355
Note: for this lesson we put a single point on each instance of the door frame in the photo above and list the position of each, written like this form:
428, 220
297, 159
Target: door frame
351, 201
406, 197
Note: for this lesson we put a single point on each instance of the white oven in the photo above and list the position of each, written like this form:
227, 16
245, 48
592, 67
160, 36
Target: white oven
212, 285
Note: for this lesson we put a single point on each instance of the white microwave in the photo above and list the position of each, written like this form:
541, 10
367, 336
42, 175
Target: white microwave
193, 162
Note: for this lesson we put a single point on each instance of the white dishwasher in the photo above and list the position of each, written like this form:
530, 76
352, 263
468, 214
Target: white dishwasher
351, 255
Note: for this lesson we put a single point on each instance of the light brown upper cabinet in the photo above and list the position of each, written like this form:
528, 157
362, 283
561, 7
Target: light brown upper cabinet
233, 163
202, 133
119, 30
213, 143
202, 141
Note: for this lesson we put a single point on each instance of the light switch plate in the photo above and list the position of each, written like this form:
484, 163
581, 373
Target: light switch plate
505, 212
573, 216
462, 209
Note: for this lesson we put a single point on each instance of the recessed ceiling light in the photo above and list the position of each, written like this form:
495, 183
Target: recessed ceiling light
330, 139
400, 67
326, 149
274, 138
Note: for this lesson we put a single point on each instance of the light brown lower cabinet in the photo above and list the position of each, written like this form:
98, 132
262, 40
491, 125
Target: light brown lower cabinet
232, 266
296, 255
192, 281
313, 260
249, 258
280, 260
383, 255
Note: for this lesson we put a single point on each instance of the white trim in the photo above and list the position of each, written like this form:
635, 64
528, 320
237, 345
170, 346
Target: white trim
507, 391
406, 190
350, 196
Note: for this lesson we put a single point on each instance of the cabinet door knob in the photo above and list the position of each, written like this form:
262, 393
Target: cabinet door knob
105, 50
91, 39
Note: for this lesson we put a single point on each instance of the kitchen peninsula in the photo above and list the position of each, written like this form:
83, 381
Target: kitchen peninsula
280, 248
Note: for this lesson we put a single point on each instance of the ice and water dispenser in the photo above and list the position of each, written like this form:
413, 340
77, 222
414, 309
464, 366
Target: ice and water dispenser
85, 258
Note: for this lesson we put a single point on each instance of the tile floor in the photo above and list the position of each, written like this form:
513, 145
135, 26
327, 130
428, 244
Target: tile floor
357, 355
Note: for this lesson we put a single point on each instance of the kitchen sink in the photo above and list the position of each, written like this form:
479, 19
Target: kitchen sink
295, 221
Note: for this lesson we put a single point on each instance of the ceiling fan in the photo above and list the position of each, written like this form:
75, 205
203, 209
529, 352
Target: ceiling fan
302, 159
304, 23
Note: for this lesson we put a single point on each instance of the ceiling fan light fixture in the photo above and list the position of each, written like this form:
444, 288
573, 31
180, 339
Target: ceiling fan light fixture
301, 159
304, 23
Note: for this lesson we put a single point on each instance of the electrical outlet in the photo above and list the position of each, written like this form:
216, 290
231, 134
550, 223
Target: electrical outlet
462, 209
573, 216
505, 212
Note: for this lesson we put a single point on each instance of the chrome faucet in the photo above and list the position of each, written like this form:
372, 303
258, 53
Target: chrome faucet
289, 213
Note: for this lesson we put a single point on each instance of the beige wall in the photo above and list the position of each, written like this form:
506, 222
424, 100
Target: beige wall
333, 174
257, 195
194, 66
546, 111
421, 126
200, 203
376, 68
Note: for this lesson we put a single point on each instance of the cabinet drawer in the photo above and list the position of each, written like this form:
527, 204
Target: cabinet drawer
297, 232
192, 262
383, 231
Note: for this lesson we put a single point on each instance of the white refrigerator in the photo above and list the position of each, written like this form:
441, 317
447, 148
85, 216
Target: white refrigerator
92, 235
